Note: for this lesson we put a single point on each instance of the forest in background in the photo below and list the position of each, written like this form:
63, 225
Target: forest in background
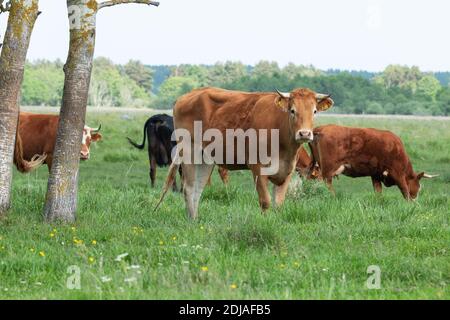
396, 90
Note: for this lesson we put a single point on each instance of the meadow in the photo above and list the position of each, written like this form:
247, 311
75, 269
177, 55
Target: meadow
314, 247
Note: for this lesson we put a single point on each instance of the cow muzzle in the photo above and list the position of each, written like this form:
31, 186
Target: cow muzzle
304, 135
84, 155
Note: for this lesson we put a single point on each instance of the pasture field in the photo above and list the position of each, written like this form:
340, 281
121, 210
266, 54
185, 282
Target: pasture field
315, 246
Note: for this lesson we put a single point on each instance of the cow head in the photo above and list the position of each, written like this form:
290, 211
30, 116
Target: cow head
89, 135
302, 105
414, 183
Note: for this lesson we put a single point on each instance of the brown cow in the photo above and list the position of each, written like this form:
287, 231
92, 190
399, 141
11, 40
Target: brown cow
289, 114
37, 134
364, 152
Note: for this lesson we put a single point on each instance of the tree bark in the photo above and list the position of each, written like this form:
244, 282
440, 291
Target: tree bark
22, 16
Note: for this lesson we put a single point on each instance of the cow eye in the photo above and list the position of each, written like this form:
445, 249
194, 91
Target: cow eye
292, 112
315, 111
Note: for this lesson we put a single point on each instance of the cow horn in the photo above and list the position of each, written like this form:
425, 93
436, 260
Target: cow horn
98, 129
286, 95
430, 176
321, 96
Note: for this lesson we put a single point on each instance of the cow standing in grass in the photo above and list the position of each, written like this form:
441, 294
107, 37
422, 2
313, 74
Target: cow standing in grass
290, 114
37, 136
158, 130
364, 152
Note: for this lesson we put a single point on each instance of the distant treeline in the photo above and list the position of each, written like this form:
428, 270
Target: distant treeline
396, 90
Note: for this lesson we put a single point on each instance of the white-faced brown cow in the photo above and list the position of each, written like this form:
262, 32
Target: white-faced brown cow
37, 136
290, 114
365, 152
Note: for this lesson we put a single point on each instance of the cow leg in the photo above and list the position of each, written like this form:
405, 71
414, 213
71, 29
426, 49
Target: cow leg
328, 172
262, 188
280, 191
174, 186
223, 175
49, 161
209, 179
180, 171
152, 170
329, 182
195, 177
377, 185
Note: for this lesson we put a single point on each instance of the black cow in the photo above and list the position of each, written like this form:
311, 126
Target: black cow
158, 129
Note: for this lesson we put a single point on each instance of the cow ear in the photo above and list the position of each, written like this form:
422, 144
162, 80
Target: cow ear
282, 103
324, 103
96, 137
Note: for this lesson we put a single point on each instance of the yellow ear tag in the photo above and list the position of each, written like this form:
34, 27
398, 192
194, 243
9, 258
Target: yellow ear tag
279, 104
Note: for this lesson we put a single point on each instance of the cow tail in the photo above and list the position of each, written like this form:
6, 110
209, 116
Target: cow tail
23, 165
140, 146
169, 180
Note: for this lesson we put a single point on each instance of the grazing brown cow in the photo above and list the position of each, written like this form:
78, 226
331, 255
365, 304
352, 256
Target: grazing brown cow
364, 152
289, 114
37, 134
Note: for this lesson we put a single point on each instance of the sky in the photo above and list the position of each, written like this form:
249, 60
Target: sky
344, 34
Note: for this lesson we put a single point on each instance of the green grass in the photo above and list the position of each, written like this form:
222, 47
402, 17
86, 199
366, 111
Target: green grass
315, 246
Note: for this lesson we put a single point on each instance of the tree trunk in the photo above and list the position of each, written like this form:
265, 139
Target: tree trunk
61, 199
22, 16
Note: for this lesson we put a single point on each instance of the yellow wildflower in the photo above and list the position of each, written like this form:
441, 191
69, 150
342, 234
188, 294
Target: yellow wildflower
233, 286
205, 269
42, 253
137, 230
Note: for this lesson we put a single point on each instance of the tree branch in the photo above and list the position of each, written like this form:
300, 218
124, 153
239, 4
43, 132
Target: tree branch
4, 7
111, 3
